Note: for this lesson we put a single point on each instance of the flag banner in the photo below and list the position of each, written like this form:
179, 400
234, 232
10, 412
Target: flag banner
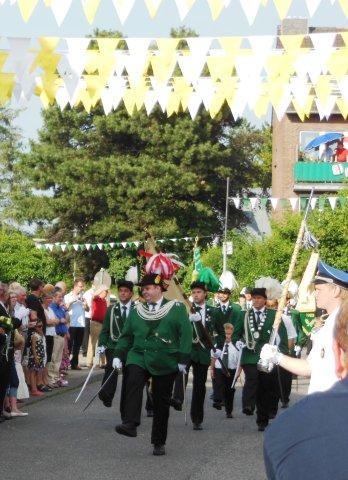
244, 73
124, 8
134, 244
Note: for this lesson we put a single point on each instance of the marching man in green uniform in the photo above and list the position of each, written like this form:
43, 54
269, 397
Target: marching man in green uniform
114, 321
207, 316
155, 342
260, 388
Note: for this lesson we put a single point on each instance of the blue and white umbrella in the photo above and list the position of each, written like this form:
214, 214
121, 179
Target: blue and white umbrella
326, 138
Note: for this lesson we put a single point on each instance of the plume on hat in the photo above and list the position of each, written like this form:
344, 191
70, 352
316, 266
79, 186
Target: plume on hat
272, 286
163, 264
132, 275
292, 289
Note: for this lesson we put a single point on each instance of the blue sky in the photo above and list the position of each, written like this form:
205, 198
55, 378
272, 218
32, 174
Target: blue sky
231, 22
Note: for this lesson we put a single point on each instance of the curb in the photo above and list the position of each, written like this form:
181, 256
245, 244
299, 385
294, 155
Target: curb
60, 391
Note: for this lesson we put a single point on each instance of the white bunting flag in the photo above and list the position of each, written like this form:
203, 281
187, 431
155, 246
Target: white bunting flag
199, 46
254, 202
88, 246
100, 246
293, 203
75, 246
123, 8
191, 66
124, 244
150, 101
250, 8
194, 103
312, 6
60, 9
332, 202
314, 202
184, 6
236, 201
274, 202
63, 247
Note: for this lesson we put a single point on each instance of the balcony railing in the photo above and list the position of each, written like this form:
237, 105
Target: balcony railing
320, 172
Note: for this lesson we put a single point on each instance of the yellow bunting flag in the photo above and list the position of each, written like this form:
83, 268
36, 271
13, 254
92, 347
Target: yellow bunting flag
107, 45
323, 88
153, 6
3, 58
262, 105
163, 67
26, 7
279, 66
282, 7
231, 45
303, 111
139, 93
92, 61
173, 103
337, 63
216, 7
50, 85
220, 67
7, 82
94, 86
90, 8
47, 58
183, 90
344, 6
291, 43
343, 107
129, 101
48, 43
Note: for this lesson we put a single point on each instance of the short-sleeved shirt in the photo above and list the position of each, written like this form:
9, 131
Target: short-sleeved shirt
50, 330
34, 303
321, 358
341, 154
59, 313
76, 310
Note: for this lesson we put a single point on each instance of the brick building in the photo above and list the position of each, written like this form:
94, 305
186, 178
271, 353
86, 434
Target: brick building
294, 174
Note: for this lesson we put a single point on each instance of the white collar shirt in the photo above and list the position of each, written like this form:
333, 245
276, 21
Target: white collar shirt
321, 358
127, 309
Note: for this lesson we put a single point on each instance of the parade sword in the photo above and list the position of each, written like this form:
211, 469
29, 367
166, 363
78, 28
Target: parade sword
266, 366
100, 389
237, 368
86, 381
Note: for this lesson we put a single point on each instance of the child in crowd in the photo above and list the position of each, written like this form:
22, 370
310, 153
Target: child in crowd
37, 358
223, 391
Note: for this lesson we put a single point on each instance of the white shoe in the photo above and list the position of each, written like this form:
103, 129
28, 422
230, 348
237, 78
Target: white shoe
19, 414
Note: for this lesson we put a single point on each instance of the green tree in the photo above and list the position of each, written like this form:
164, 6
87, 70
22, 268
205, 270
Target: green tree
20, 260
10, 146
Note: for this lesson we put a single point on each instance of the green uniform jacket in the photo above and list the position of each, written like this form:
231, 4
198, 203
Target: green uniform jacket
253, 356
112, 326
200, 351
232, 315
156, 345
303, 322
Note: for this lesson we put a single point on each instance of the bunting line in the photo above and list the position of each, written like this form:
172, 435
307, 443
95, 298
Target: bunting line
69, 246
124, 8
295, 203
309, 74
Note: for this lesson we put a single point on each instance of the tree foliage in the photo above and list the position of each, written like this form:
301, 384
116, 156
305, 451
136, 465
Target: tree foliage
20, 260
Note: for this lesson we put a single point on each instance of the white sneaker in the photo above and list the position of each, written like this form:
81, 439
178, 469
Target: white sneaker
19, 414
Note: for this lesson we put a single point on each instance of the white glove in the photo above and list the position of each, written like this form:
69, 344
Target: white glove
216, 354
116, 363
100, 350
182, 368
297, 350
195, 317
240, 345
271, 354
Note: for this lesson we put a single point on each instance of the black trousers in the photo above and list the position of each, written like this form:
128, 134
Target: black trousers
162, 386
286, 382
260, 390
198, 390
49, 347
86, 336
75, 342
5, 371
223, 390
108, 391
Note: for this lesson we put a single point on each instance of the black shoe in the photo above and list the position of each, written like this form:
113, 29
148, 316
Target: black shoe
285, 405
229, 415
217, 405
150, 413
159, 450
176, 404
106, 402
126, 429
272, 415
261, 428
197, 426
248, 411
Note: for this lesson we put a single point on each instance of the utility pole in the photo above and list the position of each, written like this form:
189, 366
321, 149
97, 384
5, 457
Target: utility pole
226, 222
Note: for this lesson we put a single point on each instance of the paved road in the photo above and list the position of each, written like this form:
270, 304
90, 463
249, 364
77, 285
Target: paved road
58, 441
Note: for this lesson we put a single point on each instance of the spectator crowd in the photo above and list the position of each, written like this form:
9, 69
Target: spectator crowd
42, 331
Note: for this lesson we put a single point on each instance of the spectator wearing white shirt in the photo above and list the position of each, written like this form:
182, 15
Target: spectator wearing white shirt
229, 358
76, 306
54, 349
88, 296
